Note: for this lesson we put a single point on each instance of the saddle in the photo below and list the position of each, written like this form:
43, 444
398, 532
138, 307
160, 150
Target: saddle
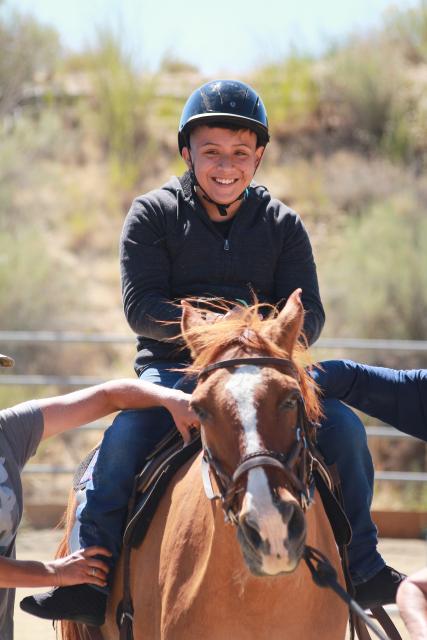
152, 481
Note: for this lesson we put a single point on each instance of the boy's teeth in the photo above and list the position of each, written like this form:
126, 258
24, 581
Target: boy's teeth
223, 181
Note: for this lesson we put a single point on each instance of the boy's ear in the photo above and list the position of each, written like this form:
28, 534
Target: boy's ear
186, 157
259, 152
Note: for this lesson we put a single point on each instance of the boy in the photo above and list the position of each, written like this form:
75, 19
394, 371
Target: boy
212, 233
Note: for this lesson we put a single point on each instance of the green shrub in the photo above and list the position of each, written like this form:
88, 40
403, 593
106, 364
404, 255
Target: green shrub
364, 81
289, 91
27, 48
407, 30
21, 150
374, 276
37, 292
122, 106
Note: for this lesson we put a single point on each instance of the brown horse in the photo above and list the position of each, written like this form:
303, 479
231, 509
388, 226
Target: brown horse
192, 577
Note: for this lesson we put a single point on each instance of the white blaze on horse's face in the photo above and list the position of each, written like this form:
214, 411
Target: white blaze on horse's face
259, 510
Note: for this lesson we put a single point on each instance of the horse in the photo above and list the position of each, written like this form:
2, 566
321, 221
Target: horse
193, 577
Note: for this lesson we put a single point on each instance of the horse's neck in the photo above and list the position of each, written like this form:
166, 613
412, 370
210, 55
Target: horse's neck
190, 570
208, 547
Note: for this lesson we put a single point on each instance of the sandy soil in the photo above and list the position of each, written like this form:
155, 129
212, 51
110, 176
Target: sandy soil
405, 555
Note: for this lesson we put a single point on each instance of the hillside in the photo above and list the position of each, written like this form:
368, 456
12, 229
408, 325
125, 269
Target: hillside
82, 134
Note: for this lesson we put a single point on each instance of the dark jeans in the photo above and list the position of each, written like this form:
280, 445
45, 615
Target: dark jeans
342, 441
126, 443
133, 435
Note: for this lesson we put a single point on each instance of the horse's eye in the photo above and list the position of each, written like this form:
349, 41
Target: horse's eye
200, 412
289, 403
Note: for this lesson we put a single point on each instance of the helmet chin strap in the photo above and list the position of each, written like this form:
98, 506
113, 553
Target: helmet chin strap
222, 208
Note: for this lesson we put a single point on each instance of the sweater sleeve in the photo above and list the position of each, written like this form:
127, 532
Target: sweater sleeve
297, 269
145, 274
397, 397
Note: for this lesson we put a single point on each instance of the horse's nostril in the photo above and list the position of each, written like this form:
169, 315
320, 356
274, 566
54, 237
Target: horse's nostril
286, 510
251, 533
296, 524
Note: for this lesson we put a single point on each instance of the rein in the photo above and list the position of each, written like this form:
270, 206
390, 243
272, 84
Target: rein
324, 575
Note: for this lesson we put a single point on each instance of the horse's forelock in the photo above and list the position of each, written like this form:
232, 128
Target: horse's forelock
246, 331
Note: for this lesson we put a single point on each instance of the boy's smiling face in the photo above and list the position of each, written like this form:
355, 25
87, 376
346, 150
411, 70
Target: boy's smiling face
224, 162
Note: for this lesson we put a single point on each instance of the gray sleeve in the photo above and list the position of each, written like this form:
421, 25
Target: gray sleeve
22, 426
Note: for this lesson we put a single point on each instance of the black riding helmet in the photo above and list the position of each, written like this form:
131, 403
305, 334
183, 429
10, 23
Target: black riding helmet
224, 102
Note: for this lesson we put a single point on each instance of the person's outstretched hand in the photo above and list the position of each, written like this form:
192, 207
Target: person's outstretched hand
412, 602
80, 567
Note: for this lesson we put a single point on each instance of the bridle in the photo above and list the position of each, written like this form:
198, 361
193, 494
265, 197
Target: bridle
297, 465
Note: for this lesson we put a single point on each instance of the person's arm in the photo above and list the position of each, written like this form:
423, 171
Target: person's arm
297, 270
412, 602
62, 413
397, 397
80, 567
146, 273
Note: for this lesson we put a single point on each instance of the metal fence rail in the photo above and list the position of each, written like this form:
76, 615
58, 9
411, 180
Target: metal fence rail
71, 337
92, 338
377, 431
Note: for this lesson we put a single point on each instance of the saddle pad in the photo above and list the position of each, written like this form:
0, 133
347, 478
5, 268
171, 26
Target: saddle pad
85, 469
153, 481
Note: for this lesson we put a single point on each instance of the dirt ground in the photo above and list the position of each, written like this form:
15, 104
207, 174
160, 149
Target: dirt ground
405, 555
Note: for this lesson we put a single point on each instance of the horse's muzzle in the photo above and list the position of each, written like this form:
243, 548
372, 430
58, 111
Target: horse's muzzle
275, 546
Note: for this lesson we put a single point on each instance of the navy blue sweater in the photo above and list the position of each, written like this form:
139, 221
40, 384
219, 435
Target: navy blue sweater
398, 397
170, 250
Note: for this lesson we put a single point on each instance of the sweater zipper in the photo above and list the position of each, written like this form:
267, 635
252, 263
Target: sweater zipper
226, 245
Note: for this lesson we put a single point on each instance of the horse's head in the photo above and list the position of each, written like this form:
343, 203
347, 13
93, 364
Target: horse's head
254, 404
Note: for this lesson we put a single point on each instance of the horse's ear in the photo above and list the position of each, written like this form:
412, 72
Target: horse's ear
287, 327
190, 319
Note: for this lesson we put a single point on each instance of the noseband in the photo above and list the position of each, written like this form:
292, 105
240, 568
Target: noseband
296, 465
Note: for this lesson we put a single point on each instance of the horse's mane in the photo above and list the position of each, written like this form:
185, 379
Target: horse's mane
245, 330
69, 630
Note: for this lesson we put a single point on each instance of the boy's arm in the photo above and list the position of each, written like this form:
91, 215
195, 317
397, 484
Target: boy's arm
297, 270
146, 275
